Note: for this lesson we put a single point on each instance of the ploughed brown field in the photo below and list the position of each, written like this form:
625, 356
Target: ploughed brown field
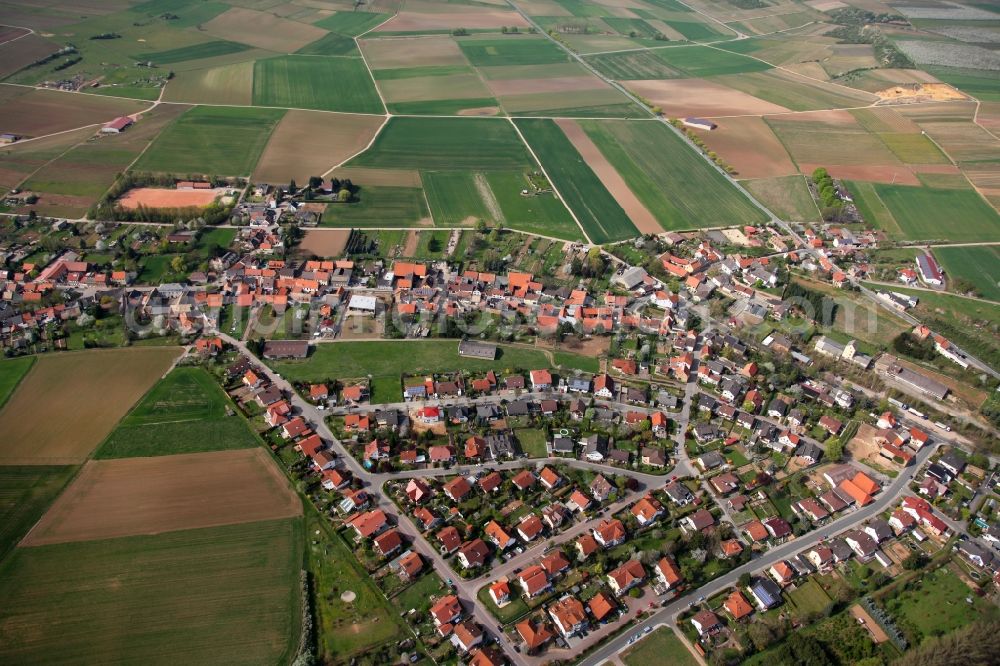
69, 402
132, 496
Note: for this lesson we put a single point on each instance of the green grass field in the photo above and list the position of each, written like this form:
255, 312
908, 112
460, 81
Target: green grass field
676, 184
25, 493
661, 646
979, 265
351, 23
379, 206
180, 597
12, 371
628, 26
542, 214
919, 212
345, 629
700, 61
598, 212
532, 442
351, 360
196, 52
324, 84
695, 31
873, 210
212, 140
439, 107
633, 65
446, 144
512, 50
913, 148
454, 197
332, 44
808, 598
183, 413
788, 197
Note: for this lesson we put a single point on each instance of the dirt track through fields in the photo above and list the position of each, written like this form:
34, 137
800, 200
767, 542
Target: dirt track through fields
130, 496
70, 401
644, 220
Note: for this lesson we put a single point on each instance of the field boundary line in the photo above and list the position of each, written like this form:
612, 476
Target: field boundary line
371, 74
552, 184
385, 121
975, 117
19, 27
794, 73
689, 44
375, 27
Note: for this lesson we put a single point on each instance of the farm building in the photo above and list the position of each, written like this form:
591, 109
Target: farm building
362, 303
930, 272
477, 350
700, 123
286, 349
8, 138
117, 126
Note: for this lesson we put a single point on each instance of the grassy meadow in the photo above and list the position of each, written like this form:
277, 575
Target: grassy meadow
26, 491
212, 140
183, 413
180, 597
323, 84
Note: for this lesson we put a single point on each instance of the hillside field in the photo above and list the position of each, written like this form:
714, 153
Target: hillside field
916, 213
979, 265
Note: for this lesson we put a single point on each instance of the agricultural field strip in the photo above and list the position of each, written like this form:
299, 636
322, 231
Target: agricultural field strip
545, 173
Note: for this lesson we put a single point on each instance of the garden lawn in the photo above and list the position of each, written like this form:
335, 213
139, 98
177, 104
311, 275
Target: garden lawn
212, 140
25, 493
809, 597
380, 206
393, 358
532, 442
325, 84
595, 208
980, 265
661, 646
937, 605
188, 596
11, 373
418, 595
675, 183
183, 413
345, 629
446, 144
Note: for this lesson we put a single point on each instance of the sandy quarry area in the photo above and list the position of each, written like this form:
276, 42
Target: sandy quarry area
919, 92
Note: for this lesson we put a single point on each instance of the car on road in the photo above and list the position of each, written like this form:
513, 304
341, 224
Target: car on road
647, 630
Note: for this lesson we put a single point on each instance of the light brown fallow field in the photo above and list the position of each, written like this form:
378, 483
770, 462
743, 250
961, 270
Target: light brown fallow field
699, 97
324, 242
131, 496
749, 145
331, 138
69, 402
40, 112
